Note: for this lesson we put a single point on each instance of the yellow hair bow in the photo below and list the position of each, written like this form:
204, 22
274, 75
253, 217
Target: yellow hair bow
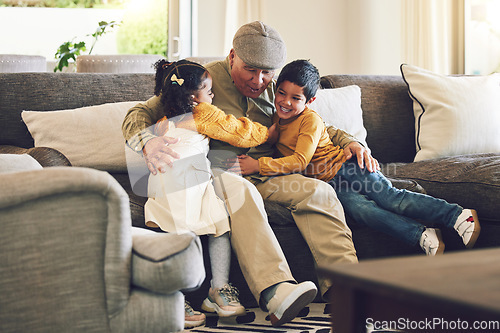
174, 79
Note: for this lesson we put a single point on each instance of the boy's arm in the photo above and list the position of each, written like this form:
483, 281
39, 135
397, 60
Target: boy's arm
295, 161
239, 132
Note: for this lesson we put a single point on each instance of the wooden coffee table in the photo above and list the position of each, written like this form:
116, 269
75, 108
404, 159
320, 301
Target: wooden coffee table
457, 291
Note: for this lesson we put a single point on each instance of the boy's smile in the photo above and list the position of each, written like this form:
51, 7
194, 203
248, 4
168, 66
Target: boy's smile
290, 101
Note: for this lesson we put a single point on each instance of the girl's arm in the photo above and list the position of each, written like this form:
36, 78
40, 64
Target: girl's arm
161, 126
239, 132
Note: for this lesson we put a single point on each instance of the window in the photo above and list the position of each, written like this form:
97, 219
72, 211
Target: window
39, 27
482, 36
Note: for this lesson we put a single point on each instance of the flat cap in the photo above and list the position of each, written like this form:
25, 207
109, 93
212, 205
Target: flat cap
260, 46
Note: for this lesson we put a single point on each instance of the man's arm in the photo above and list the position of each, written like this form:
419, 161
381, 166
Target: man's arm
352, 147
137, 128
339, 137
138, 123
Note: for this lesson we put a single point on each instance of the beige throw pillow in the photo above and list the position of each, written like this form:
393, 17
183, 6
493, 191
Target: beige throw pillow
88, 136
454, 115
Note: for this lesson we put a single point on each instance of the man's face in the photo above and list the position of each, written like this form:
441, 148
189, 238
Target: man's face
250, 81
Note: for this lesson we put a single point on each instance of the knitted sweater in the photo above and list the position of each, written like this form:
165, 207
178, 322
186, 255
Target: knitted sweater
214, 123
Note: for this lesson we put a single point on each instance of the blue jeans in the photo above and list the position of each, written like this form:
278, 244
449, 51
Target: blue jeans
370, 198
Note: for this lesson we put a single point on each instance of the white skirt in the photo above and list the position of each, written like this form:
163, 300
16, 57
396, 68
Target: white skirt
183, 199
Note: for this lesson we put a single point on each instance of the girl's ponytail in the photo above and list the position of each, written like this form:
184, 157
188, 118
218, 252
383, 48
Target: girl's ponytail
161, 68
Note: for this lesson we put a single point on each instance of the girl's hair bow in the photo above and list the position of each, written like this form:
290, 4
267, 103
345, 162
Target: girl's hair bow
174, 79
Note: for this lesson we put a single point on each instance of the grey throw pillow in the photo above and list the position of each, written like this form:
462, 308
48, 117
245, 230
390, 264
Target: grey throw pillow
18, 162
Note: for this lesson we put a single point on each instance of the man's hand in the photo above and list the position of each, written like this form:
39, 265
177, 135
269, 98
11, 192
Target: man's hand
363, 155
245, 165
158, 155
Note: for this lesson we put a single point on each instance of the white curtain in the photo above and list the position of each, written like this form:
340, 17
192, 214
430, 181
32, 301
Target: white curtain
433, 35
239, 12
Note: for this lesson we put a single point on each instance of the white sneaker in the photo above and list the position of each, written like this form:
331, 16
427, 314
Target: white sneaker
224, 301
467, 226
288, 300
431, 242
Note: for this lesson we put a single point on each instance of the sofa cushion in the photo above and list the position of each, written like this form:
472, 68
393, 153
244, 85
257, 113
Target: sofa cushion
387, 114
454, 115
88, 137
472, 181
341, 108
60, 91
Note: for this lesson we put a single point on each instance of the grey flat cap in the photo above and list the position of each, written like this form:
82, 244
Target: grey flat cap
260, 46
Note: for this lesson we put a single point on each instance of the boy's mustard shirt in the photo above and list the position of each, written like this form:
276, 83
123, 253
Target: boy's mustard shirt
306, 148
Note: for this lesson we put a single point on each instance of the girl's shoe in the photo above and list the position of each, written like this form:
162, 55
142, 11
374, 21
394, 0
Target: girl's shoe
431, 242
467, 226
224, 301
192, 318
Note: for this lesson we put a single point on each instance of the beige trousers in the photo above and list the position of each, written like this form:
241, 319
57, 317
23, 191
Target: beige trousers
259, 254
319, 216
315, 209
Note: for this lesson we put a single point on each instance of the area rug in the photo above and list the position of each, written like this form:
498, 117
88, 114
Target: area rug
315, 318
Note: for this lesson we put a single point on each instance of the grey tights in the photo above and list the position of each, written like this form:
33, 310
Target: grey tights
219, 250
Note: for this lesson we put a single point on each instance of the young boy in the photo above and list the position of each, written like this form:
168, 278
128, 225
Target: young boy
366, 196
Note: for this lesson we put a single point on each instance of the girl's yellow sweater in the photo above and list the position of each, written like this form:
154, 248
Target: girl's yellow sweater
213, 122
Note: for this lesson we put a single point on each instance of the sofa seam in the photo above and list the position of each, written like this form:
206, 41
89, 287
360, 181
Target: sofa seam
442, 182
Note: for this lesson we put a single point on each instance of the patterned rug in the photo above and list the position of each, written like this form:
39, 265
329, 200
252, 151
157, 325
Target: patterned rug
315, 318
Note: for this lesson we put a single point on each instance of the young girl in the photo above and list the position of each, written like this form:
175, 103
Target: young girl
183, 199
366, 196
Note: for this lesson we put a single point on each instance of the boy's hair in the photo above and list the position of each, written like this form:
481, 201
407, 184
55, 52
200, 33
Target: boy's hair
176, 91
302, 73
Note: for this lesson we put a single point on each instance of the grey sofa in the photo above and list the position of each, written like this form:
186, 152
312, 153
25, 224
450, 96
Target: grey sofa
472, 181
71, 262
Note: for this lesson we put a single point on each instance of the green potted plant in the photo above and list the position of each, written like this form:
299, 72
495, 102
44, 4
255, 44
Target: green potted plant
70, 50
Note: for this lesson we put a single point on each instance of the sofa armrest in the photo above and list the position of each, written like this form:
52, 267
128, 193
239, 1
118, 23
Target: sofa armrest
165, 263
47, 157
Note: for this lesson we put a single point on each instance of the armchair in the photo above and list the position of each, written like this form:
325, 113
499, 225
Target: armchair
70, 260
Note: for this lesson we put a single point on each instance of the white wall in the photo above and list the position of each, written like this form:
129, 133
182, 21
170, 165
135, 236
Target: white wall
338, 36
211, 24
315, 31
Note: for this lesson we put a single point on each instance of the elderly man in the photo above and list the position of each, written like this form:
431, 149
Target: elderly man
243, 86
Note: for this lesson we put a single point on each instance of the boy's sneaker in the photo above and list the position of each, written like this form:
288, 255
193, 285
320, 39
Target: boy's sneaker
192, 318
224, 301
288, 300
467, 226
432, 242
